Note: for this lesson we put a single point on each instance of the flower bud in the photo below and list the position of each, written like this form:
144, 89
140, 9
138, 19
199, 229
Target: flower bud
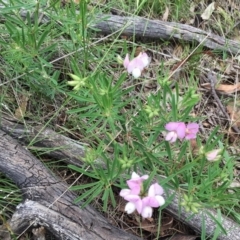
74, 77
152, 112
72, 83
77, 82
119, 59
214, 155
189, 204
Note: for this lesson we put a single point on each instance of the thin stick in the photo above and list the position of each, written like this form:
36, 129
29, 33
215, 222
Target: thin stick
212, 79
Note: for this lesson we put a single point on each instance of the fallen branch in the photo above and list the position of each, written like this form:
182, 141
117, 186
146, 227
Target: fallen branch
150, 29
63, 148
194, 221
50, 196
156, 29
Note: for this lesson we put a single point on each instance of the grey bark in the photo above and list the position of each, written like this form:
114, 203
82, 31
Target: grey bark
162, 30
43, 137
194, 221
152, 29
63, 218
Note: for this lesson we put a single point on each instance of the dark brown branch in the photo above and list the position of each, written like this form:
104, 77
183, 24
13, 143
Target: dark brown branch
195, 221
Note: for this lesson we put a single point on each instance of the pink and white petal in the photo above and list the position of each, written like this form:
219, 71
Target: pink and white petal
135, 182
147, 212
139, 205
132, 198
135, 186
135, 176
141, 64
193, 127
145, 200
145, 59
155, 189
151, 191
171, 126
136, 72
144, 177
153, 202
181, 130
174, 139
126, 61
139, 180
130, 207
160, 199
124, 192
190, 136
135, 63
171, 136
212, 155
131, 66
136, 190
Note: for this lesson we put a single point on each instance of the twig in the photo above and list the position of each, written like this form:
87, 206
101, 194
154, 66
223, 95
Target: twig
212, 79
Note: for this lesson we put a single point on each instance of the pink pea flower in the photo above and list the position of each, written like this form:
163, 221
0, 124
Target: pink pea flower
191, 131
153, 199
137, 64
214, 155
135, 185
176, 130
132, 194
134, 203
144, 206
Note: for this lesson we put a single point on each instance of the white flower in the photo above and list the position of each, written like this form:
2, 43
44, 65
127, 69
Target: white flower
147, 212
130, 207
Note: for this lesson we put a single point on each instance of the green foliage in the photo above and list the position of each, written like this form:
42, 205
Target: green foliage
10, 196
63, 69
104, 179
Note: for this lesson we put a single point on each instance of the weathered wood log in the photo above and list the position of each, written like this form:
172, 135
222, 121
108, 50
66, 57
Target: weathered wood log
162, 30
61, 226
50, 195
43, 137
153, 29
194, 221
